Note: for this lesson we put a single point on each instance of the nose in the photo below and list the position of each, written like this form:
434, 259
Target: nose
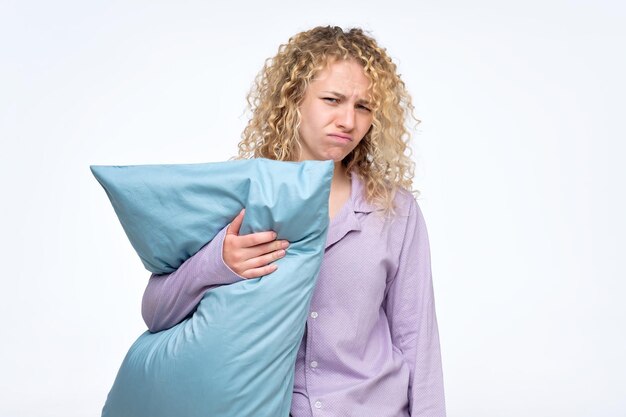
346, 118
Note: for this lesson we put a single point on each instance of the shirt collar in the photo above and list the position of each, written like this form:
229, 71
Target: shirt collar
357, 196
346, 220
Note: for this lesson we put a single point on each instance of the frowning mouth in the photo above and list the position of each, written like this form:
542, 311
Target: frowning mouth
341, 136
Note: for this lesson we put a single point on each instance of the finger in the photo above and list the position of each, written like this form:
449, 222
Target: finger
266, 259
259, 272
235, 225
266, 248
255, 239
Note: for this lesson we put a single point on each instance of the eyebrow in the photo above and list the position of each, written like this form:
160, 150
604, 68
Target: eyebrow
343, 97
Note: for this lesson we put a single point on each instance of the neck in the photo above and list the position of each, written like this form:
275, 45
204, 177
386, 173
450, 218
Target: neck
340, 189
340, 172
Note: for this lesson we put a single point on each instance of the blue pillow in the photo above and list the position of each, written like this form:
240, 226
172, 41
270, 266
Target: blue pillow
235, 355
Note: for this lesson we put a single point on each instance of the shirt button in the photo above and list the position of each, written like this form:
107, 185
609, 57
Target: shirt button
314, 364
314, 314
318, 404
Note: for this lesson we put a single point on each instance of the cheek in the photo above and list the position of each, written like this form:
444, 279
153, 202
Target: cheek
306, 124
319, 118
366, 122
308, 121
363, 132
367, 125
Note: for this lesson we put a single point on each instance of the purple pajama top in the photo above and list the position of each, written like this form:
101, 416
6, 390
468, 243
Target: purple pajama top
371, 345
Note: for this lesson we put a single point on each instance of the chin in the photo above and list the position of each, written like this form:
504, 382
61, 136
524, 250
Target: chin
337, 158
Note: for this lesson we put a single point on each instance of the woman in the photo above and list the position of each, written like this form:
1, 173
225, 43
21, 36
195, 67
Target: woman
371, 345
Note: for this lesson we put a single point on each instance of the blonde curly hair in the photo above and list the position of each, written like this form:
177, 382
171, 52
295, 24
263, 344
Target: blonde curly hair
382, 158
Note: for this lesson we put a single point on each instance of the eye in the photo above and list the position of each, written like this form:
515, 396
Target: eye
330, 99
365, 108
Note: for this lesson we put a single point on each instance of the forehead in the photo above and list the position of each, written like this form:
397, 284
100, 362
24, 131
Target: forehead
344, 76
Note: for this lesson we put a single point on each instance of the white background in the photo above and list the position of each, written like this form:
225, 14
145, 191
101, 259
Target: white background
520, 163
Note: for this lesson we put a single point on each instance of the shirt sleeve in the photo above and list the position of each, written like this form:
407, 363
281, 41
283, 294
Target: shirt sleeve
410, 308
169, 298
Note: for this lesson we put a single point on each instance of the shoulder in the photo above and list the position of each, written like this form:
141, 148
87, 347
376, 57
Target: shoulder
409, 216
405, 204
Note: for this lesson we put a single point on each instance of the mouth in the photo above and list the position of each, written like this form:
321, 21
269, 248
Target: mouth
341, 136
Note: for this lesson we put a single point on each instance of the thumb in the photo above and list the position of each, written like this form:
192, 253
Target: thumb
235, 225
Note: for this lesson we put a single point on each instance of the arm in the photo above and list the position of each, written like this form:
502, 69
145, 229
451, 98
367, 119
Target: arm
410, 308
169, 298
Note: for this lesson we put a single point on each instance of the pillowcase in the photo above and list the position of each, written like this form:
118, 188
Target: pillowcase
235, 355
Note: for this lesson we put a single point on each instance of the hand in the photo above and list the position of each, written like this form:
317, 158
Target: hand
250, 255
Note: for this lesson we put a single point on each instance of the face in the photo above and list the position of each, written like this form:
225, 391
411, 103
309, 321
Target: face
335, 112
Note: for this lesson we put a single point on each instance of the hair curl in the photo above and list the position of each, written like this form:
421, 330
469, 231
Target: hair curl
382, 158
